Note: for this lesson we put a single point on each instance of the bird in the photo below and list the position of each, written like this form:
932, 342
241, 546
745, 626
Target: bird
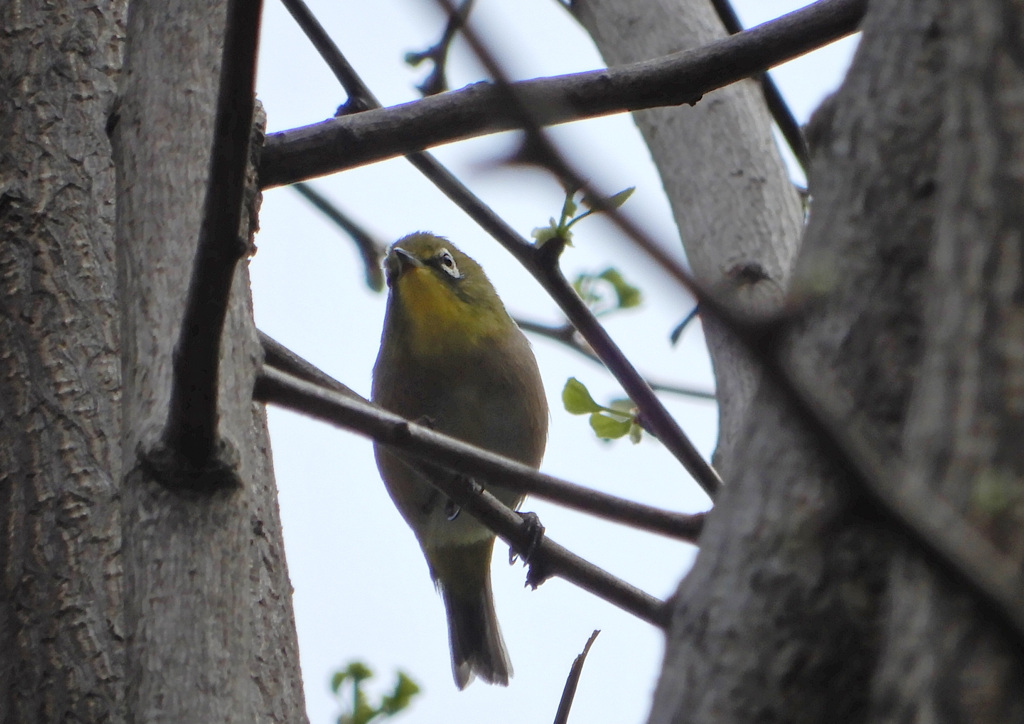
453, 358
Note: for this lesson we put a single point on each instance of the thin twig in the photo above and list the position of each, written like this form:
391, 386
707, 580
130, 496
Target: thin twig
371, 250
191, 429
544, 268
573, 681
354, 140
365, 418
437, 54
546, 558
567, 335
777, 106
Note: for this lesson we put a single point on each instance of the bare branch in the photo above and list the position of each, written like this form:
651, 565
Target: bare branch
375, 135
546, 558
777, 105
543, 265
572, 682
936, 529
191, 429
370, 249
437, 54
362, 416
277, 355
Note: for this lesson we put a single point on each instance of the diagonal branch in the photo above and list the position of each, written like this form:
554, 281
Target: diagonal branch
191, 429
546, 558
370, 249
777, 106
375, 135
656, 417
938, 531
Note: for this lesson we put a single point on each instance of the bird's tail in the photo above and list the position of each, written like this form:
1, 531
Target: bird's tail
476, 643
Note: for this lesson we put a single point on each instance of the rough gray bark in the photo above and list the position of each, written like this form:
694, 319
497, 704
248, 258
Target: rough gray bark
738, 214
121, 599
942, 657
802, 606
61, 626
207, 597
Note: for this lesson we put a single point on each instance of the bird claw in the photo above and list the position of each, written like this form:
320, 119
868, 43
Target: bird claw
534, 531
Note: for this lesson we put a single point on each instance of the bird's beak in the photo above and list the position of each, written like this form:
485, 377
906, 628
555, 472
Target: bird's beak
397, 263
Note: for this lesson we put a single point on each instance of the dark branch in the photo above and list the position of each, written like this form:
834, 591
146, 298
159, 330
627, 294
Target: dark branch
542, 262
539, 264
277, 355
479, 109
546, 558
359, 415
370, 249
938, 531
358, 95
437, 81
777, 105
572, 682
191, 431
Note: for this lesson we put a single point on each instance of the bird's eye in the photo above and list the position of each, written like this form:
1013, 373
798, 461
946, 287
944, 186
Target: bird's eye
446, 261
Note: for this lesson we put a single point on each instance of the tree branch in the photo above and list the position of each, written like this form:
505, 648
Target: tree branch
375, 135
437, 54
190, 433
540, 263
545, 557
370, 249
938, 530
359, 415
777, 106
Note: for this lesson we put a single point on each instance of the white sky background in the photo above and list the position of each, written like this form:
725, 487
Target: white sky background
362, 590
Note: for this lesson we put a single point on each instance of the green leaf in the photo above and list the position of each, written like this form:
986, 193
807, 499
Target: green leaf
627, 295
584, 286
358, 671
623, 405
608, 428
611, 202
576, 398
405, 690
636, 433
544, 234
616, 200
569, 207
337, 680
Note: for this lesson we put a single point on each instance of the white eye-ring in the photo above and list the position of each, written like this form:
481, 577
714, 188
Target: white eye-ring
446, 261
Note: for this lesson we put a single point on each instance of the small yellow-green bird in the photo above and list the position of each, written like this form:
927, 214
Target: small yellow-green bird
451, 356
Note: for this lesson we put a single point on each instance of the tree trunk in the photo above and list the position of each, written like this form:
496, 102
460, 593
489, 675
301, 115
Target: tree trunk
802, 605
714, 158
61, 624
123, 599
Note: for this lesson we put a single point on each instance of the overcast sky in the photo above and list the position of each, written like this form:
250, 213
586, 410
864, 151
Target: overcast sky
362, 590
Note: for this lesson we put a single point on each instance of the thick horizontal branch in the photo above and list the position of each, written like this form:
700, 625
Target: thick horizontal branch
346, 409
479, 109
546, 557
